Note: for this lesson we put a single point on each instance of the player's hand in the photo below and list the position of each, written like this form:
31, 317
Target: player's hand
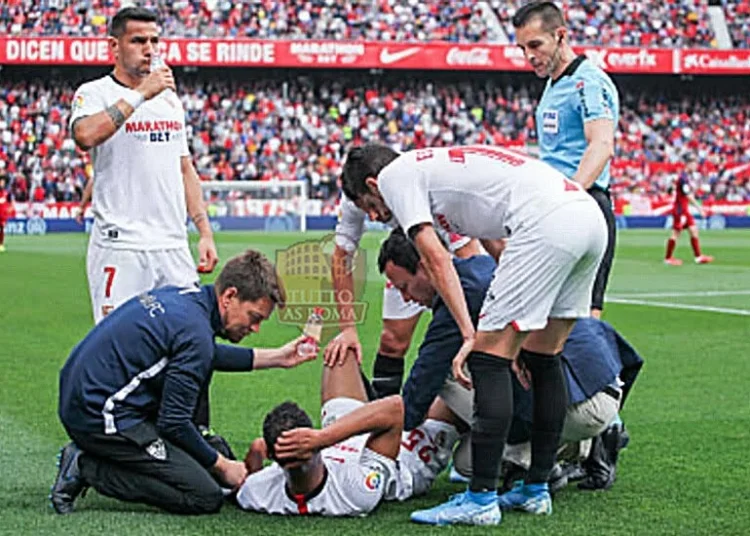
157, 81
300, 350
208, 258
522, 373
339, 347
299, 443
79, 216
460, 361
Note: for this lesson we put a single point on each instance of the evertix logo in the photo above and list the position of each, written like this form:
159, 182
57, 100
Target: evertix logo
307, 271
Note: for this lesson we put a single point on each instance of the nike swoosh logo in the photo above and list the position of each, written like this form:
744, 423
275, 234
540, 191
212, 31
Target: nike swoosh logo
387, 57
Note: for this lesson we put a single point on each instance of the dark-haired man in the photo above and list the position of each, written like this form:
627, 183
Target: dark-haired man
133, 124
128, 391
576, 117
543, 282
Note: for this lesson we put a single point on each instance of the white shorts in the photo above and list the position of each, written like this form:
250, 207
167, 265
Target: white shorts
425, 452
376, 469
395, 307
116, 275
547, 270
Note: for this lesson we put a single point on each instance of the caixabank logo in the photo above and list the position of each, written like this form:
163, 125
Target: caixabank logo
307, 269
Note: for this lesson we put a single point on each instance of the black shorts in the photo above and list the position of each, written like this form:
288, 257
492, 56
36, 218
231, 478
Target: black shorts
604, 201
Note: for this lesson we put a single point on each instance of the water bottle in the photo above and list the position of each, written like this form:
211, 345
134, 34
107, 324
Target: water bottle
312, 332
157, 61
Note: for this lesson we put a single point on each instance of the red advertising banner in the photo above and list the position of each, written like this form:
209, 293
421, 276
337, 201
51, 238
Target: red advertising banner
714, 61
366, 55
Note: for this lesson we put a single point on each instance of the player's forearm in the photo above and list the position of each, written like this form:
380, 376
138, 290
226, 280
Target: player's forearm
88, 192
93, 130
255, 456
343, 286
375, 417
194, 198
594, 160
443, 275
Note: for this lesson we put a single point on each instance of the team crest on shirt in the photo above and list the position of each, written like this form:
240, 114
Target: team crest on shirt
373, 480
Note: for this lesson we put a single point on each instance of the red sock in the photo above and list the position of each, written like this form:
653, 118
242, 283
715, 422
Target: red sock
671, 243
696, 246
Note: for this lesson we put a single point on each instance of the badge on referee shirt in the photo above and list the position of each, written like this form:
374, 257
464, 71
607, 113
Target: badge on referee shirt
550, 123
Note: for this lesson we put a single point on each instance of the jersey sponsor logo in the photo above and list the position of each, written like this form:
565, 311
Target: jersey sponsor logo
550, 122
373, 480
155, 131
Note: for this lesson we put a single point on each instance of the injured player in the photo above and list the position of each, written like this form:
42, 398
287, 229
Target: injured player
357, 459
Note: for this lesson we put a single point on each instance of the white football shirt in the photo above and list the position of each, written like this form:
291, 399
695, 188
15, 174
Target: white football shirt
351, 227
354, 485
479, 191
139, 196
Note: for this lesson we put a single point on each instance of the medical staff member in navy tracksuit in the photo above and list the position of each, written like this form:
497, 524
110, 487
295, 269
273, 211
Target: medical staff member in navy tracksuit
129, 390
600, 366
576, 117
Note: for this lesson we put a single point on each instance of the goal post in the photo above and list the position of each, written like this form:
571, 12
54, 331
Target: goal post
282, 204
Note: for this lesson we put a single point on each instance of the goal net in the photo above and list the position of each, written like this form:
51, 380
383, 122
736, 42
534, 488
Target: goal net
257, 205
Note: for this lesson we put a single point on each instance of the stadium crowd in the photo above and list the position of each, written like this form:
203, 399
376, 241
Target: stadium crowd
737, 13
671, 23
455, 20
300, 130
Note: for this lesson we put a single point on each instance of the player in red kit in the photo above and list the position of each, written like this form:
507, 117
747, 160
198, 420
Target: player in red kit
682, 217
4, 201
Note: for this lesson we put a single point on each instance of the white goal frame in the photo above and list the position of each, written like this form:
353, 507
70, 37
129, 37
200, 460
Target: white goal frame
258, 186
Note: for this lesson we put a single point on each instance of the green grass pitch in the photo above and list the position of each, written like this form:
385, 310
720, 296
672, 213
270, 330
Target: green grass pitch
685, 472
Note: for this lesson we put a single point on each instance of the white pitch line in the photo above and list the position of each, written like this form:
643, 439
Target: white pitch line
693, 294
681, 306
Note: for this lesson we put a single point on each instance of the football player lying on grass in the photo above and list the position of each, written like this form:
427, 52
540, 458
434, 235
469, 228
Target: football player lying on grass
357, 459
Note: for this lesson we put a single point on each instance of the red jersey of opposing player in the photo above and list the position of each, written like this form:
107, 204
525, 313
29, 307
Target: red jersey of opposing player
3, 204
682, 219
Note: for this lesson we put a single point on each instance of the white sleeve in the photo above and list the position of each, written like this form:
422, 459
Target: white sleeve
406, 195
86, 101
350, 226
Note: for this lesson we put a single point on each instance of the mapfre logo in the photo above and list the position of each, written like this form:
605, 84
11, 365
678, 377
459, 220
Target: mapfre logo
611, 59
469, 57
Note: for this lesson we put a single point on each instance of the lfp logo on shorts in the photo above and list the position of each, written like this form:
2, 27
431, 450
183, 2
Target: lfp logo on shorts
306, 270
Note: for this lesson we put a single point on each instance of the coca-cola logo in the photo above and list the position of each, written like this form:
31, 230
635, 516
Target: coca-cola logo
515, 56
474, 56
